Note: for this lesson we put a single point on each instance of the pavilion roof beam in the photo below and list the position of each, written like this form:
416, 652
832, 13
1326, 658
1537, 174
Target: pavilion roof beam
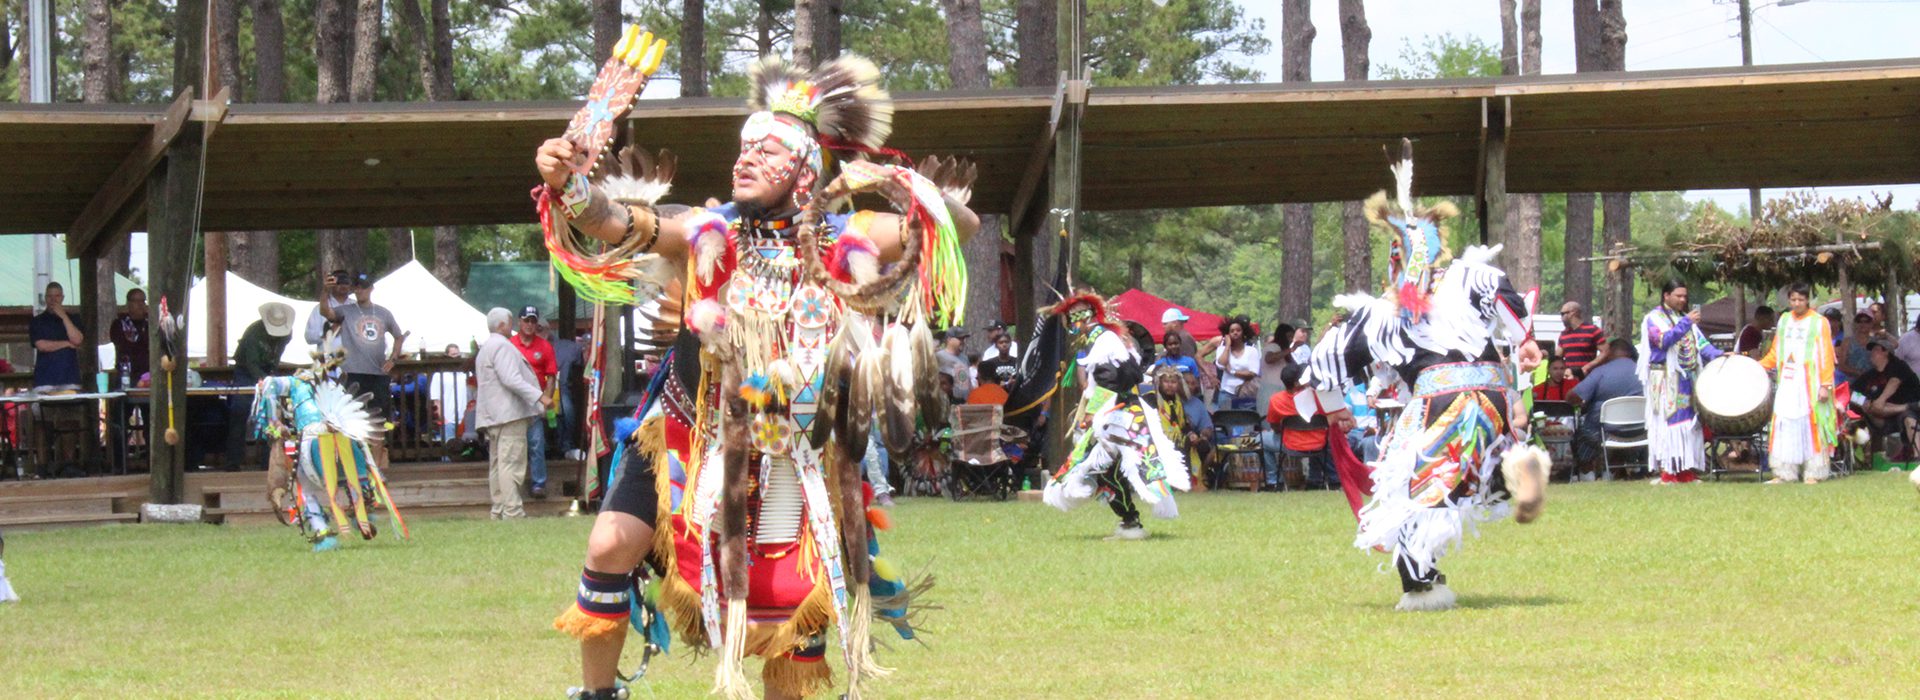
84, 237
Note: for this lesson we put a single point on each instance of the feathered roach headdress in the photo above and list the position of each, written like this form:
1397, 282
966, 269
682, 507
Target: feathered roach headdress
842, 101
1418, 247
1081, 307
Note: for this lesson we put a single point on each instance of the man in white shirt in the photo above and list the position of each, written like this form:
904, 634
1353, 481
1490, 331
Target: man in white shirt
338, 292
508, 400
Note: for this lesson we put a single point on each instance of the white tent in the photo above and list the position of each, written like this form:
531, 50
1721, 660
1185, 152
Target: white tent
432, 315
243, 308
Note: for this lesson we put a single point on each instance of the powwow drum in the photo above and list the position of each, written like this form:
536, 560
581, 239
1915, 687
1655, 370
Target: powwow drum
1733, 396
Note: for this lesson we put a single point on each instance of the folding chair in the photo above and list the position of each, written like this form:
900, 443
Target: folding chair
1236, 438
1621, 420
979, 466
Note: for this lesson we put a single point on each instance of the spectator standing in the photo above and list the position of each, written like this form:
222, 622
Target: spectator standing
1238, 362
1274, 357
999, 343
1176, 357
508, 401
1173, 322
337, 292
364, 330
1752, 339
1300, 346
129, 337
254, 359
953, 362
449, 392
56, 337
1614, 377
1580, 340
533, 345
568, 358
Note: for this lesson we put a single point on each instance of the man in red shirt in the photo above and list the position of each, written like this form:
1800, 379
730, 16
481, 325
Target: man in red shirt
1302, 436
1580, 340
533, 345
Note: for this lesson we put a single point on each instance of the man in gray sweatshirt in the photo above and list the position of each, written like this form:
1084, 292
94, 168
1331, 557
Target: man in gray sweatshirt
508, 399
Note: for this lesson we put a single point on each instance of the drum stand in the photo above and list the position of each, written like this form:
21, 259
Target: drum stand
1722, 448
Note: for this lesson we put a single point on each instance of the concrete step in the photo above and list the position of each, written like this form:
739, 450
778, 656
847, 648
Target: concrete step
34, 522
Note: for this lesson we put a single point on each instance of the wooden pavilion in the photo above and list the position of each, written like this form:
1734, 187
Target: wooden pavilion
99, 172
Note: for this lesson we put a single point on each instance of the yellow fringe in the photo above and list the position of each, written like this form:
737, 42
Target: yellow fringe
798, 679
681, 604
583, 627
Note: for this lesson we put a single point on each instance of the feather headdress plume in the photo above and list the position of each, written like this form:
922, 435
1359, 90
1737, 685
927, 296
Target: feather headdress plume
841, 99
1418, 247
1088, 306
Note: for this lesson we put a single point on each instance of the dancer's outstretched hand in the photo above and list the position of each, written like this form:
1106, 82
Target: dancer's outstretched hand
555, 160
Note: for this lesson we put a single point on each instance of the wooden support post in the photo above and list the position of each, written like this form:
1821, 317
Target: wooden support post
216, 319
1491, 199
94, 328
172, 197
1065, 199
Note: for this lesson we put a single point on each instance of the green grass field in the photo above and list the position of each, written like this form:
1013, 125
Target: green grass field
1623, 590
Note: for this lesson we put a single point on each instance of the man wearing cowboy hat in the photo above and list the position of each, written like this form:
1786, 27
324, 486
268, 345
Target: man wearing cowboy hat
256, 358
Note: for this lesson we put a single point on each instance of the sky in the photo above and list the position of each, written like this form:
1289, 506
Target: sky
1661, 34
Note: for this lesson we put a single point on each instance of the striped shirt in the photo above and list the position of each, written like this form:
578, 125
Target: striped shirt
1580, 345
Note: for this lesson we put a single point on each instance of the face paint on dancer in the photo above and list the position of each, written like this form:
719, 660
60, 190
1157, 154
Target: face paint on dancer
778, 164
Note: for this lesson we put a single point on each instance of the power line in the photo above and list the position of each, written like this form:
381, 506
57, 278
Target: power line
1685, 32
1789, 37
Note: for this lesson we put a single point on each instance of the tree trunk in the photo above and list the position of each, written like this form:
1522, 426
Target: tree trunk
96, 57
1296, 233
96, 87
693, 48
25, 79
433, 49
255, 255
1509, 38
366, 52
1577, 273
1524, 228
1616, 207
1035, 37
806, 17
606, 29
1036, 40
763, 30
334, 29
269, 52
826, 30
1355, 36
967, 70
400, 245
226, 41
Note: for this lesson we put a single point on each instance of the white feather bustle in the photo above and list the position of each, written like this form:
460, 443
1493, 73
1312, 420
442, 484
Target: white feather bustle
627, 189
709, 233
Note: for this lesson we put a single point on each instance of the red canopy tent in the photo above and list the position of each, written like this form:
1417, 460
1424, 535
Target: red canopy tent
1145, 309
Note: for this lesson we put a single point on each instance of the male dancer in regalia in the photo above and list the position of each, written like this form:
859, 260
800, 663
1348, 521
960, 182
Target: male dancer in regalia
1457, 454
742, 486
